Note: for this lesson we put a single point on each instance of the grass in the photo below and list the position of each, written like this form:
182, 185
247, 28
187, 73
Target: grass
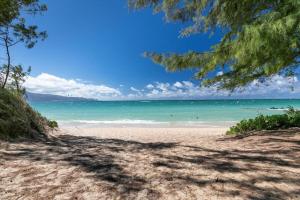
267, 122
18, 119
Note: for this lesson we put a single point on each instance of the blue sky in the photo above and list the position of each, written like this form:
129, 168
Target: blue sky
99, 43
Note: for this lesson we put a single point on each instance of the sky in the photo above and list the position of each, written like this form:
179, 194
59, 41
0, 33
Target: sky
95, 48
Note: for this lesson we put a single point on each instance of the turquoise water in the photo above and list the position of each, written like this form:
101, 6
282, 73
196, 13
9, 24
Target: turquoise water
131, 112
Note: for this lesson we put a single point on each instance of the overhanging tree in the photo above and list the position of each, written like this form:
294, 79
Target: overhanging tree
261, 38
14, 29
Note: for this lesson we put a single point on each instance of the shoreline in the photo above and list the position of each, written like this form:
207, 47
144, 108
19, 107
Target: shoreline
144, 124
145, 134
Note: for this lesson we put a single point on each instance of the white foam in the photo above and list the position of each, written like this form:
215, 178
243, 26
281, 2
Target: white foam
150, 123
125, 121
278, 109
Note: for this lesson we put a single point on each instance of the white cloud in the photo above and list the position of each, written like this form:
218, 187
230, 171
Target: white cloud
188, 84
162, 86
150, 86
153, 93
50, 84
276, 87
273, 87
137, 93
134, 89
178, 85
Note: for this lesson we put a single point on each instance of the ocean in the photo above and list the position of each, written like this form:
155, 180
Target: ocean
175, 112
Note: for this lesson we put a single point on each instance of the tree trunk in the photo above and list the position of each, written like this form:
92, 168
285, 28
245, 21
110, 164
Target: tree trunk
8, 62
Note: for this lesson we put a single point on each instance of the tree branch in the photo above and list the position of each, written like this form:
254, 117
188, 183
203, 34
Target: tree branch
12, 44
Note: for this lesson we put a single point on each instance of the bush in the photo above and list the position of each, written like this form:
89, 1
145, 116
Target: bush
273, 122
18, 119
52, 124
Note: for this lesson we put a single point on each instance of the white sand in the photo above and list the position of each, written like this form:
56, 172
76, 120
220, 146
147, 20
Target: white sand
152, 163
147, 134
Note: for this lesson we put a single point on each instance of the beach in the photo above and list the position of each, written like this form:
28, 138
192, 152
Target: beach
93, 162
119, 106
153, 150
146, 134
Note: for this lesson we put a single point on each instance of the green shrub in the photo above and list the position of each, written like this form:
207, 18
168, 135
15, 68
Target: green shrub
273, 122
52, 124
18, 119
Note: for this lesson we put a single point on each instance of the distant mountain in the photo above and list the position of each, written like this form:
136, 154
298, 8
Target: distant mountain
35, 97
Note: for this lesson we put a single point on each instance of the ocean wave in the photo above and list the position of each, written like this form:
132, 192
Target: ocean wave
271, 109
279, 109
148, 122
126, 121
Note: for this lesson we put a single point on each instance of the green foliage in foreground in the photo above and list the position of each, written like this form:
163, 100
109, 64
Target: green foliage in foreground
18, 119
273, 122
260, 38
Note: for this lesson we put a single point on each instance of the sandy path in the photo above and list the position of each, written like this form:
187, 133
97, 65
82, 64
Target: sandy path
163, 166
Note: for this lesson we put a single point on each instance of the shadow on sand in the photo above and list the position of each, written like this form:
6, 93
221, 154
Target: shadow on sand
269, 158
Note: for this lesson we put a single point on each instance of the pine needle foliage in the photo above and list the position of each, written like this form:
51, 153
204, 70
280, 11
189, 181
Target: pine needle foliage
13, 25
261, 38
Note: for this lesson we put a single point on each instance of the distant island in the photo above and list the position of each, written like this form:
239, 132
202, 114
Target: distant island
36, 97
